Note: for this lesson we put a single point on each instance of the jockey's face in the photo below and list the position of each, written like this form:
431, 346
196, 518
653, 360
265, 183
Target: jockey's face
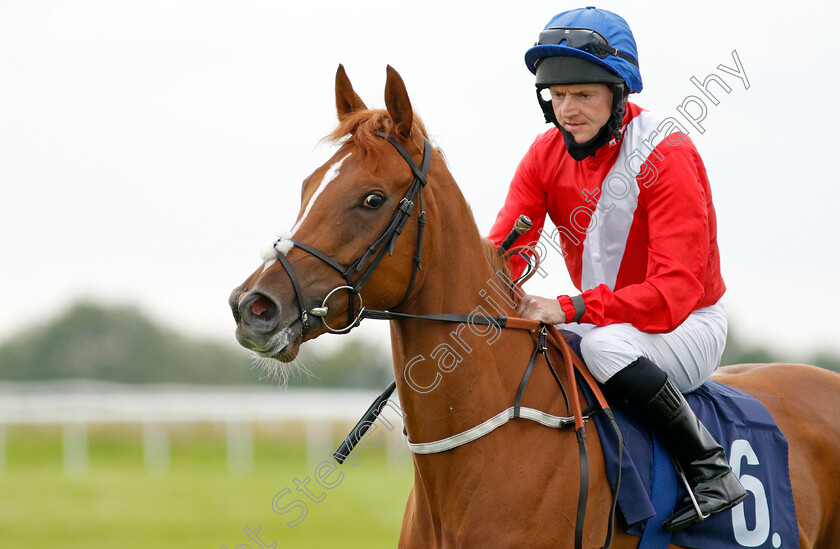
582, 109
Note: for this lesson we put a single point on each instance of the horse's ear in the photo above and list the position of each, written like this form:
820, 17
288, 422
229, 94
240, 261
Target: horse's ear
346, 99
398, 104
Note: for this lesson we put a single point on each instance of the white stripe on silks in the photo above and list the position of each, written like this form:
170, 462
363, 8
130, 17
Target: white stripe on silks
606, 238
482, 429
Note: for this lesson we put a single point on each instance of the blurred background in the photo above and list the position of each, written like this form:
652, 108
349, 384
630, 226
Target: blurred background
149, 150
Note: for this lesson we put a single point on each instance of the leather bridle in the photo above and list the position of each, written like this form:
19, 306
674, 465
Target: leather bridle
384, 243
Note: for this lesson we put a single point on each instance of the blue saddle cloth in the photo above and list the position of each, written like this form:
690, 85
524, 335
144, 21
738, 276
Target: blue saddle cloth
757, 451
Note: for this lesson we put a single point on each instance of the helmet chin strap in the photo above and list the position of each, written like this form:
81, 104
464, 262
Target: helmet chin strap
612, 129
579, 151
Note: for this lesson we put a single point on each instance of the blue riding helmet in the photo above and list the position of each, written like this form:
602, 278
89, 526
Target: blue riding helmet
611, 46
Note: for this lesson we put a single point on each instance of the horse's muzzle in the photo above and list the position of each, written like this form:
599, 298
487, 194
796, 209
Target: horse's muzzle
257, 319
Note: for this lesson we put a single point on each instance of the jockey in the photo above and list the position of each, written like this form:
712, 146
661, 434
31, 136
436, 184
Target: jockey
632, 206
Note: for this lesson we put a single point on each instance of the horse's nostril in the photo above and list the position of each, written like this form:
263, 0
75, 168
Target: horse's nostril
262, 307
259, 312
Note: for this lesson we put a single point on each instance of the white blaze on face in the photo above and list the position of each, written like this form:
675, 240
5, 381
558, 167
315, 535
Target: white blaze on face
331, 174
284, 242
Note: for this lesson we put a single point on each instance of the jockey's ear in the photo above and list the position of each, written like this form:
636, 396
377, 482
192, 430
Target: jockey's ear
398, 104
346, 99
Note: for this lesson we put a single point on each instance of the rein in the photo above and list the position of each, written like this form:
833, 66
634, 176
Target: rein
372, 257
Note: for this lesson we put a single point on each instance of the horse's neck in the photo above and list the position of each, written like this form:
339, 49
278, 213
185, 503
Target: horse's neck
456, 397
451, 376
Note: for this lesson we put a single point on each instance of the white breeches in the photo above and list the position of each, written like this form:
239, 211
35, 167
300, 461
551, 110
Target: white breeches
689, 354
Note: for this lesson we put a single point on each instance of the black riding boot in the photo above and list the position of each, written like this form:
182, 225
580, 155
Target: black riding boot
714, 485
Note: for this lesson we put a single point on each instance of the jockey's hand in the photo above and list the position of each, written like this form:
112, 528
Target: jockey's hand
544, 309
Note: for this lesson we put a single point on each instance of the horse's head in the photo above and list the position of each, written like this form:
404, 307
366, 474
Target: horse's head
358, 226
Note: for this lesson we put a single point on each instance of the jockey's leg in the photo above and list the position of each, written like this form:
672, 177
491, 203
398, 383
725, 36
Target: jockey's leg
628, 362
689, 354
715, 486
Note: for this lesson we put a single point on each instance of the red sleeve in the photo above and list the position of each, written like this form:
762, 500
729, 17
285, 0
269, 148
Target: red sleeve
526, 195
567, 306
677, 218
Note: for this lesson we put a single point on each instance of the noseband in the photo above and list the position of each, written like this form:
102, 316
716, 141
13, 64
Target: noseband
384, 243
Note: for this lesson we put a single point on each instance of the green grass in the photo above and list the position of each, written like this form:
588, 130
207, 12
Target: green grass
197, 503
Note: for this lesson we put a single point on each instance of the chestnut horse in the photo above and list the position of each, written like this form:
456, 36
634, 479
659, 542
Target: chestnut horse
518, 485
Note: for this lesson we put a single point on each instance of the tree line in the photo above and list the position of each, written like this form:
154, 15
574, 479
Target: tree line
119, 344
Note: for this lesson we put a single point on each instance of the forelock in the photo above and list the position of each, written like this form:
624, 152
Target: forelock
362, 128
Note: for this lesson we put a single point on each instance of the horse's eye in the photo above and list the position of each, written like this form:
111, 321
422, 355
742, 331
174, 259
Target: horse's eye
373, 201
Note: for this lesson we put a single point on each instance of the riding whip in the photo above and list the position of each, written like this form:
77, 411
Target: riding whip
520, 227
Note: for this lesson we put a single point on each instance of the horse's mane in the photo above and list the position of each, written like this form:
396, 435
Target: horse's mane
362, 126
496, 261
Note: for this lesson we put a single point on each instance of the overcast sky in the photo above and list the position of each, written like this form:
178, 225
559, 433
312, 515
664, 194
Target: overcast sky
148, 150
